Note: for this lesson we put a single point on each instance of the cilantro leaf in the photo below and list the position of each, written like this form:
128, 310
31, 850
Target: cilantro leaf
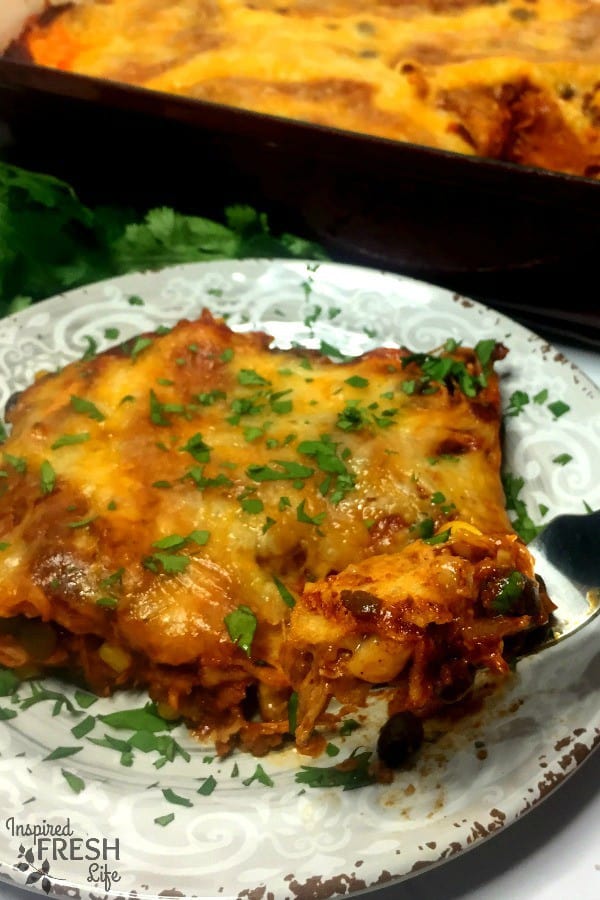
510, 590
52, 242
76, 783
350, 774
523, 523
47, 477
259, 775
86, 408
171, 797
284, 593
558, 408
241, 626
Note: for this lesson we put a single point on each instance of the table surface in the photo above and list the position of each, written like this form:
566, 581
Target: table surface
553, 853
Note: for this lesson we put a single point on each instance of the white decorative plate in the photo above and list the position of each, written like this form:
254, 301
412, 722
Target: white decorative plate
94, 832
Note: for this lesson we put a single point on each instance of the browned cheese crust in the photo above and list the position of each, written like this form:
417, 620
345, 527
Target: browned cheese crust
354, 511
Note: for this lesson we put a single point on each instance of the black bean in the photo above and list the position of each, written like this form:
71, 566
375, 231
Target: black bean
399, 739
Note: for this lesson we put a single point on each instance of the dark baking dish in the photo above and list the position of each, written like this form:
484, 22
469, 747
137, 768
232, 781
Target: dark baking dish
474, 224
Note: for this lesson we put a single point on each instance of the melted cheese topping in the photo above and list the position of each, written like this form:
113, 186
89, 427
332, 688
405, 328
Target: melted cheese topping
511, 80
156, 492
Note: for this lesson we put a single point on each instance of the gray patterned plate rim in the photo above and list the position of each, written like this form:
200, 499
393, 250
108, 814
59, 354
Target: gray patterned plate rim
157, 829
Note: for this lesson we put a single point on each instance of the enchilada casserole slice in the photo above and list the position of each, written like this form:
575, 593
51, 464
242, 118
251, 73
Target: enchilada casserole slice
231, 526
515, 80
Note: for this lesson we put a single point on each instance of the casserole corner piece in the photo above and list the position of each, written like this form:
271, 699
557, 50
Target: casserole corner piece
234, 527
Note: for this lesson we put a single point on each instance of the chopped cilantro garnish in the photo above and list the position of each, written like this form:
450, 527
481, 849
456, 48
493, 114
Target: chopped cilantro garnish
66, 440
451, 345
511, 590
438, 497
82, 523
196, 473
517, 403
208, 786
440, 538
199, 537
348, 726
352, 417
157, 411
164, 820
62, 753
342, 481
288, 470
171, 797
243, 406
76, 783
137, 719
249, 376
252, 505
111, 334
444, 457
303, 516
284, 593
85, 700
115, 578
280, 406
4, 545
169, 563
196, 447
352, 773
41, 695
18, 463
523, 524
450, 371
541, 397
331, 749
92, 347
484, 350
107, 602
543, 509
283, 503
424, 529
558, 408
47, 477
252, 432
134, 300
357, 381
9, 682
227, 355
170, 542
259, 775
327, 349
562, 459
140, 344
210, 397
241, 626
86, 408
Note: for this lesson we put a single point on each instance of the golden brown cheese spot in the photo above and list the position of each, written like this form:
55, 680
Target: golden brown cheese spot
180, 619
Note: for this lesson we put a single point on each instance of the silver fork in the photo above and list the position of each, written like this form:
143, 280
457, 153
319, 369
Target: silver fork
567, 556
